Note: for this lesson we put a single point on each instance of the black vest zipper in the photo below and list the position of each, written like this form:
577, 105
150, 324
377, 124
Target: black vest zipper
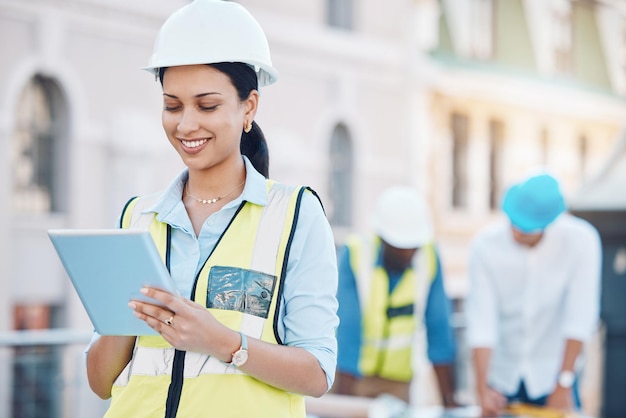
176, 385
178, 365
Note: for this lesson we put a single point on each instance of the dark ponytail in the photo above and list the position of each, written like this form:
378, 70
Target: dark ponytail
254, 146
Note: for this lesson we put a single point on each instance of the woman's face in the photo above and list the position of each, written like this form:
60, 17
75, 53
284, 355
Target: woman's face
202, 115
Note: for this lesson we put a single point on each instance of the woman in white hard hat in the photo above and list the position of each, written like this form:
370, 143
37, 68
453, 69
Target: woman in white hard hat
256, 258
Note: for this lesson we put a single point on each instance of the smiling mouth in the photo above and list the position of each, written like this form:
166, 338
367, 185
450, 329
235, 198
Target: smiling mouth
195, 143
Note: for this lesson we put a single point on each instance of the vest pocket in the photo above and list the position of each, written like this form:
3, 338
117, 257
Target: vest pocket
241, 290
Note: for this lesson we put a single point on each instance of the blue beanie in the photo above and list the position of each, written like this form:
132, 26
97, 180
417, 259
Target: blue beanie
534, 203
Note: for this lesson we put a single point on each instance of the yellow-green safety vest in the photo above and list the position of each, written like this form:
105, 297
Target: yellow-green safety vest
389, 320
160, 381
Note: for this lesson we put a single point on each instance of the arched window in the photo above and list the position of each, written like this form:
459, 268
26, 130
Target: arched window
341, 165
39, 149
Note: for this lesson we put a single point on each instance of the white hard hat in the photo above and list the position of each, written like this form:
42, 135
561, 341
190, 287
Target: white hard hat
402, 219
212, 31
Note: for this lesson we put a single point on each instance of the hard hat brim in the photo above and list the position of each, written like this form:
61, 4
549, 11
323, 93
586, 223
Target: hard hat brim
265, 75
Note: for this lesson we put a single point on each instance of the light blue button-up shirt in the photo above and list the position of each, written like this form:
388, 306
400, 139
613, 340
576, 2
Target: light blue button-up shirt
307, 315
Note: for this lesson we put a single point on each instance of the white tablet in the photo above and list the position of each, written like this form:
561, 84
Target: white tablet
108, 267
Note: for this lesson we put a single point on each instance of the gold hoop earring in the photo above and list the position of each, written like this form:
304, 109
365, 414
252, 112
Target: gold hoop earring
247, 127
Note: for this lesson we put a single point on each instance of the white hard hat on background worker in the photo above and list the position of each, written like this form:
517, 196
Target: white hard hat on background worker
402, 219
188, 37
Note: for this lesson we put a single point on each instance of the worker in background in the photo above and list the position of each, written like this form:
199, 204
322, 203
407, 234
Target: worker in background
389, 283
533, 299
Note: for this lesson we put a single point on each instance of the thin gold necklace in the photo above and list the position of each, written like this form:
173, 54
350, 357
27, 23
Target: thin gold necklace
215, 199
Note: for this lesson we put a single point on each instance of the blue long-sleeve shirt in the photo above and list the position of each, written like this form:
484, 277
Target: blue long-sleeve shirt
439, 333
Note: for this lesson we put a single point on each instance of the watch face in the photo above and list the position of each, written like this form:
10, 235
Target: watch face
566, 379
240, 358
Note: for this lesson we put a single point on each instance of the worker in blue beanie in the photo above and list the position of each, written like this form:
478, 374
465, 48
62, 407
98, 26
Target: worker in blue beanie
533, 299
534, 204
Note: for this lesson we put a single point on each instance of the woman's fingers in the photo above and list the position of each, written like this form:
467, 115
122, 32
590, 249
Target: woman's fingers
148, 309
159, 318
176, 318
166, 298
164, 306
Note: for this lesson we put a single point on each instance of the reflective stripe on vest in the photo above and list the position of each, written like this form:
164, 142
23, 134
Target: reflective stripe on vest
160, 381
389, 320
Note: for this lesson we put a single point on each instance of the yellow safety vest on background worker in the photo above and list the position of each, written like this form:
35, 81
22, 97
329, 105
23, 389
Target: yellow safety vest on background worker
389, 320
160, 381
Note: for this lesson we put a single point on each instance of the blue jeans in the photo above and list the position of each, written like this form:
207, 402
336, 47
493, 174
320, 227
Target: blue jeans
522, 396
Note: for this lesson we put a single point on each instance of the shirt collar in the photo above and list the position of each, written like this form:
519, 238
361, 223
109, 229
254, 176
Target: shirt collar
254, 191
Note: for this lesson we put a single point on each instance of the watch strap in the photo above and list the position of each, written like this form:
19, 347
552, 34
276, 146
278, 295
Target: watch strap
241, 355
244, 341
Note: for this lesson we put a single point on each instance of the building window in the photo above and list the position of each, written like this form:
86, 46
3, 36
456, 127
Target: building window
341, 177
39, 149
623, 48
459, 160
36, 368
583, 150
339, 14
482, 28
562, 36
496, 148
544, 146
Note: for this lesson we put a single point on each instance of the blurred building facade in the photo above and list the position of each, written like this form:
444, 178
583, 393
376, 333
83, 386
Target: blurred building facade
517, 85
599, 203
454, 97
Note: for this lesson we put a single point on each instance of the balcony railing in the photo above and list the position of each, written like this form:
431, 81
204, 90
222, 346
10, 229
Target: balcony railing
42, 375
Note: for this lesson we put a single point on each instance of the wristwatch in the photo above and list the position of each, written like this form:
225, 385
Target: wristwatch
566, 379
240, 356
